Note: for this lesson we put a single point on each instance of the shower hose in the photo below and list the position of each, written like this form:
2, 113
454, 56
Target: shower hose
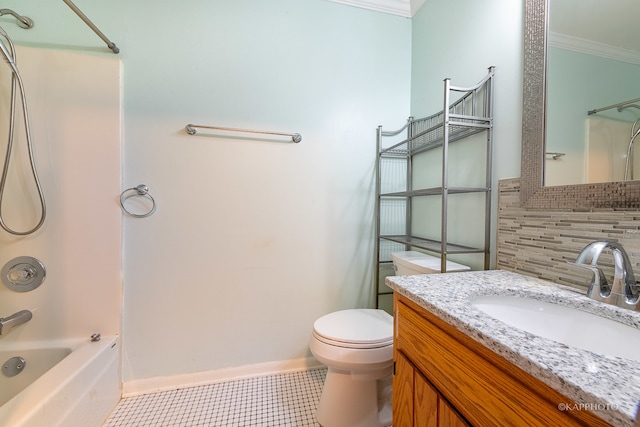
9, 57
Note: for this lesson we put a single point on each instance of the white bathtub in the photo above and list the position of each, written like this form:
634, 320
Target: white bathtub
67, 383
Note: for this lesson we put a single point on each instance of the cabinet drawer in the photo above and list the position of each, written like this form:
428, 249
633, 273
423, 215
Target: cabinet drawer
484, 387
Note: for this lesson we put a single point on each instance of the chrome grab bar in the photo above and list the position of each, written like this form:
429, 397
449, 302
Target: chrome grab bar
191, 130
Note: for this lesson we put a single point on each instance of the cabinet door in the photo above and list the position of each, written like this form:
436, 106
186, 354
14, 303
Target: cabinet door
425, 405
448, 417
416, 402
402, 392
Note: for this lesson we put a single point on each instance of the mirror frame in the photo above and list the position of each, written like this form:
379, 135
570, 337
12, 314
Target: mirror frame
533, 193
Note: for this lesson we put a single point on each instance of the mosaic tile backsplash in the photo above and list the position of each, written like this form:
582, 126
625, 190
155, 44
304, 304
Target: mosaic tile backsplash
543, 243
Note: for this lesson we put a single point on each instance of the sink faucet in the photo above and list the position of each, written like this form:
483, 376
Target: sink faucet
8, 323
624, 291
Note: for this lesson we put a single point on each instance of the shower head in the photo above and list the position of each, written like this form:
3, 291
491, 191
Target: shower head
23, 21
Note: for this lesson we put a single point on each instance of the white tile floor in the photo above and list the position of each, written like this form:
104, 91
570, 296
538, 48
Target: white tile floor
276, 400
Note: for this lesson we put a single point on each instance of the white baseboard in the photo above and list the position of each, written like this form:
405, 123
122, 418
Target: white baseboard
157, 384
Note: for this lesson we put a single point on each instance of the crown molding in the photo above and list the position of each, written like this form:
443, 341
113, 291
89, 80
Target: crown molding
406, 8
594, 48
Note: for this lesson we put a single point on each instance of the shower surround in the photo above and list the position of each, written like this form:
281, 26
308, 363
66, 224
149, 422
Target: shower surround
74, 104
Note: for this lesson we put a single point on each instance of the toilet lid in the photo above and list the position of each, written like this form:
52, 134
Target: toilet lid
356, 326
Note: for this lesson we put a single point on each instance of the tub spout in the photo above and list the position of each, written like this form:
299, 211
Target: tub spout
8, 323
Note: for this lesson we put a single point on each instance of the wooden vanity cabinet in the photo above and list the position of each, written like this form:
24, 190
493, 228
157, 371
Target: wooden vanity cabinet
444, 378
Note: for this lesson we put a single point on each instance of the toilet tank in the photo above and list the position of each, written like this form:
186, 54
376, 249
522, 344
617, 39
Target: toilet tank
408, 263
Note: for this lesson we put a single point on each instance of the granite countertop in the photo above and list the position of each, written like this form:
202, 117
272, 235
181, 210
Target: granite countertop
606, 385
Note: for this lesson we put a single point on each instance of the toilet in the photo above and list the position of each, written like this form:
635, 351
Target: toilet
357, 347
408, 263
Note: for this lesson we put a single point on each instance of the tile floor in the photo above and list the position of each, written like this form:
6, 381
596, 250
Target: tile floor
277, 400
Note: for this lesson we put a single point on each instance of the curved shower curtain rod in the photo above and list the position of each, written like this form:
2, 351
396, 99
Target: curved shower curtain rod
26, 22
111, 45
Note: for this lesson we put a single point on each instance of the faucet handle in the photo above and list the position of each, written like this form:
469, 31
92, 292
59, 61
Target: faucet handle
632, 293
599, 286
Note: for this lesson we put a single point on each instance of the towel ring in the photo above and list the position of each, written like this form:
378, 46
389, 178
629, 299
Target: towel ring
142, 191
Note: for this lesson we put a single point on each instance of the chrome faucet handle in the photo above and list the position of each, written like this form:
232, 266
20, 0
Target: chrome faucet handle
630, 288
599, 287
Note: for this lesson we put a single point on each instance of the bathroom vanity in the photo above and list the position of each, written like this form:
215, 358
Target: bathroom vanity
456, 365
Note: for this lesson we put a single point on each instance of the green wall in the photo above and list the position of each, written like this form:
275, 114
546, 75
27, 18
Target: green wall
253, 238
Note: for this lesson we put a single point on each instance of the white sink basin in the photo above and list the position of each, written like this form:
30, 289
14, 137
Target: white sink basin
562, 324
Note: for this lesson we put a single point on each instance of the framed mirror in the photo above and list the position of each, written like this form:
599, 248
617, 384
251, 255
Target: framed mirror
534, 193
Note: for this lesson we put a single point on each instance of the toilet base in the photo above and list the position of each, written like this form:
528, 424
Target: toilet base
347, 401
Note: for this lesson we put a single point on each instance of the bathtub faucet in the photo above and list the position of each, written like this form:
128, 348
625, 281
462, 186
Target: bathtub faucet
8, 323
624, 291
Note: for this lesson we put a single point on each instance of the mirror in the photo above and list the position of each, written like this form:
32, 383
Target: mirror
593, 62
533, 193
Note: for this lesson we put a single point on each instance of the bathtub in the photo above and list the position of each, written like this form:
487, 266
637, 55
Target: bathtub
66, 383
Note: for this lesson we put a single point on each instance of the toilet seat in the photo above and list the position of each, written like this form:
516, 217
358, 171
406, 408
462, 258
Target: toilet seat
355, 328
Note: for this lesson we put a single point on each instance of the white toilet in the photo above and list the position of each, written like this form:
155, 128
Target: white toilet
408, 263
357, 348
